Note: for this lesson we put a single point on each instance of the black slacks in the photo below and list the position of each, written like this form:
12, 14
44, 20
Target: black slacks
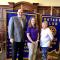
17, 47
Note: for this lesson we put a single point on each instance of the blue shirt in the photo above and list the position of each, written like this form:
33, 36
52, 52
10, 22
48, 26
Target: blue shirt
33, 33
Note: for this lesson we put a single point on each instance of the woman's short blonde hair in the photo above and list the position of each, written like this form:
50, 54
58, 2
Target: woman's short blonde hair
45, 22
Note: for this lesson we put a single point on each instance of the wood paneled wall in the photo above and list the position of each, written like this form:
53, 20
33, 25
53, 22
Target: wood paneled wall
42, 10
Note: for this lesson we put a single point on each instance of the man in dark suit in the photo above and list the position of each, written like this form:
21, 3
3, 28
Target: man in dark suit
16, 34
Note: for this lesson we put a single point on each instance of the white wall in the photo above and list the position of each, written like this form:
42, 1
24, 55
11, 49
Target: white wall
42, 2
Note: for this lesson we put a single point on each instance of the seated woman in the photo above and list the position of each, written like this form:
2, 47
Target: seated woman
33, 38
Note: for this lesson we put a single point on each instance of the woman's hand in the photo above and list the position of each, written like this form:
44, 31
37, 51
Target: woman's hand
33, 42
37, 41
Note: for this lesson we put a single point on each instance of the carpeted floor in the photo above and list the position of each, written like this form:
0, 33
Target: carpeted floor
51, 56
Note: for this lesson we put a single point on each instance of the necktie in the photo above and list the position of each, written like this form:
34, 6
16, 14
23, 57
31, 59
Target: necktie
21, 22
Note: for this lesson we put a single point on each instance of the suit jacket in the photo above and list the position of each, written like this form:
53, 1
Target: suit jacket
15, 29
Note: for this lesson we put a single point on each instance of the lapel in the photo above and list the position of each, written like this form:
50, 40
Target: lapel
20, 20
17, 20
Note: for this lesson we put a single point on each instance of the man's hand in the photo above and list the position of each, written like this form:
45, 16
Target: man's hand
11, 40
